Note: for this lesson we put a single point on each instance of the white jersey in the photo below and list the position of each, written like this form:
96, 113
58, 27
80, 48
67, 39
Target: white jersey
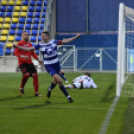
49, 51
87, 82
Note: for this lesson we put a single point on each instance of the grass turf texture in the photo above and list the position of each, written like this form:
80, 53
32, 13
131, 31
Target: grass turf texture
33, 115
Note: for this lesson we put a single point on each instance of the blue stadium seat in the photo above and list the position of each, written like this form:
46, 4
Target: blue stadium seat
33, 45
42, 20
8, 51
35, 26
38, 9
39, 3
13, 26
45, 3
28, 31
28, 26
22, 20
37, 52
3, 8
29, 20
9, 8
37, 14
33, 38
36, 20
19, 32
34, 32
9, 14
21, 26
12, 32
44, 14
1, 49
25, 3
32, 3
2, 14
40, 31
44, 9
18, 38
31, 9
39, 38
41, 26
30, 14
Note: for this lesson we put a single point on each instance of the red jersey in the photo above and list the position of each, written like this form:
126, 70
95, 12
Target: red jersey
19, 52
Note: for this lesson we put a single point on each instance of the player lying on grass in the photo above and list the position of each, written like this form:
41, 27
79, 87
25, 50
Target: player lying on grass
62, 74
82, 82
26, 65
51, 62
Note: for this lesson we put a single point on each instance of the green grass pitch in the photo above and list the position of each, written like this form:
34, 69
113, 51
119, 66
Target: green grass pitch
39, 115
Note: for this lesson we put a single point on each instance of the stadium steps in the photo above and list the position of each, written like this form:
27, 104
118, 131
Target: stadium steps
14, 18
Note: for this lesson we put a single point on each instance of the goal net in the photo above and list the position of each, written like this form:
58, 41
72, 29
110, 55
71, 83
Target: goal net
125, 69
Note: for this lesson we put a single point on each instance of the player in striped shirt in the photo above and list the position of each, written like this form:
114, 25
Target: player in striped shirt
51, 62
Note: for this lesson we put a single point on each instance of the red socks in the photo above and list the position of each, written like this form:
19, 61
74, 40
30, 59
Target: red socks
35, 83
24, 80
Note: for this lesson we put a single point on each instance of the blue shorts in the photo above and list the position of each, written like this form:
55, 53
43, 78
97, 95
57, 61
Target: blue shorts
53, 69
60, 67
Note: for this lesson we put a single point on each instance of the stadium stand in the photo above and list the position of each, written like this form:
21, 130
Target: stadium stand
17, 16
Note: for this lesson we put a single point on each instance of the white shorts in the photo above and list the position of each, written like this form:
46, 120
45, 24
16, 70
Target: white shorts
85, 84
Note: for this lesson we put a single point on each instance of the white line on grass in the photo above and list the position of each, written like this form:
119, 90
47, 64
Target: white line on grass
51, 107
108, 116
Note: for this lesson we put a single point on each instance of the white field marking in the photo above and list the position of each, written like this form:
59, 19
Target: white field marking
2, 106
108, 116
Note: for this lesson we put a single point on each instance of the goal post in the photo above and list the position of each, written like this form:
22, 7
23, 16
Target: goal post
121, 46
125, 66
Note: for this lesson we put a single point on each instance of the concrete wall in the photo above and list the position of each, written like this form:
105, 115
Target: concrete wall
10, 64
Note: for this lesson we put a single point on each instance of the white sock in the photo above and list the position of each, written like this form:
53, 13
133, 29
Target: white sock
70, 86
68, 96
49, 89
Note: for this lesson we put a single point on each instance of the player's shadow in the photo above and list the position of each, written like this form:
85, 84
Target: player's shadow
46, 104
13, 98
108, 92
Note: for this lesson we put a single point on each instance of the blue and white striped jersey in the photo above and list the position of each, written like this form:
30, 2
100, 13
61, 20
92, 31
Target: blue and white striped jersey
49, 51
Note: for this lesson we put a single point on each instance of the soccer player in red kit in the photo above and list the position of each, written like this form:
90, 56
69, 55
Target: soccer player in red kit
26, 65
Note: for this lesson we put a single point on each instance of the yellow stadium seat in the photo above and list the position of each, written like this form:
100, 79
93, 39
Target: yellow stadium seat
17, 8
6, 26
18, 2
4, 31
15, 20
11, 2
10, 38
1, 19
24, 8
7, 19
0, 25
16, 42
4, 2
9, 45
23, 14
3, 38
16, 14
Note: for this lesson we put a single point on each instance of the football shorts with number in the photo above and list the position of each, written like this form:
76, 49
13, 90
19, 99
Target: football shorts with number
27, 68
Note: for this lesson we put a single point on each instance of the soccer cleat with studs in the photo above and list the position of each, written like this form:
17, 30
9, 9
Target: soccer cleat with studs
70, 100
22, 91
37, 95
48, 93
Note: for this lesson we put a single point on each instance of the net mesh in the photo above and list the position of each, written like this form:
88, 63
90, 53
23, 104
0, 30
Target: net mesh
128, 88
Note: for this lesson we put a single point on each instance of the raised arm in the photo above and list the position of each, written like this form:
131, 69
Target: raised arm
24, 48
64, 41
